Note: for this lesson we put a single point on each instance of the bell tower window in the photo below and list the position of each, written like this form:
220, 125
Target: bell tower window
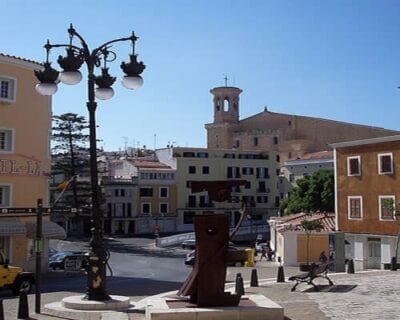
226, 104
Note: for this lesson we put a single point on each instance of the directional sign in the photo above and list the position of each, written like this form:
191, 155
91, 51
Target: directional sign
24, 210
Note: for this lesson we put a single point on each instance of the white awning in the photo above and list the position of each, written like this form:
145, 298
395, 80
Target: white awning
9, 227
50, 230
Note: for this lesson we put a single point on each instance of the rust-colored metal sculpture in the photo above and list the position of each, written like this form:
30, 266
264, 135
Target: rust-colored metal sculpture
206, 283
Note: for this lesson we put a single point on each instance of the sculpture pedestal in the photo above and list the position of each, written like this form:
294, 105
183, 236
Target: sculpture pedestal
252, 307
75, 307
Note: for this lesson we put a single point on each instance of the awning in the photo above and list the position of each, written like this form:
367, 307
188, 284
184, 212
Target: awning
9, 227
50, 230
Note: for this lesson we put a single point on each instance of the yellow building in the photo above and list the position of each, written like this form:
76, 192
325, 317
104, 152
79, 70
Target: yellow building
25, 124
260, 170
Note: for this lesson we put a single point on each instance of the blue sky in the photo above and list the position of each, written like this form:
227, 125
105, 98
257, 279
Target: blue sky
338, 60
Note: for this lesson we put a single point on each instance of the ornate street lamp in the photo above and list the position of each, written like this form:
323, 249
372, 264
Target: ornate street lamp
48, 78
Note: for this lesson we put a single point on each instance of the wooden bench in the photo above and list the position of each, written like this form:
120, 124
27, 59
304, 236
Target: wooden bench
316, 271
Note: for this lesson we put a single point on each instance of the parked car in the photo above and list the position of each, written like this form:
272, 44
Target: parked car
237, 256
259, 246
189, 244
57, 260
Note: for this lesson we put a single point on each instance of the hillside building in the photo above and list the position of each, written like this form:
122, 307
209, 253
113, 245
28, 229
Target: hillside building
291, 136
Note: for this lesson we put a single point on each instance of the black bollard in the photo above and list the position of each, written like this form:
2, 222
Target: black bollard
23, 307
1, 310
254, 278
350, 266
393, 264
239, 285
281, 275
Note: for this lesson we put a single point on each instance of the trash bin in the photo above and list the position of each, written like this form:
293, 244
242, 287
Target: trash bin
250, 257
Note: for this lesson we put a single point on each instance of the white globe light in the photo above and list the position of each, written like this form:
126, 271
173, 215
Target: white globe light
132, 82
46, 89
70, 77
104, 93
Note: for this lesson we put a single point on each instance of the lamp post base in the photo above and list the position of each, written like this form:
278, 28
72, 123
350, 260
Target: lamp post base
96, 280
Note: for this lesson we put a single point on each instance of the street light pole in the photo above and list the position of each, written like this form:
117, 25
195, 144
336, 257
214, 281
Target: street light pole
48, 78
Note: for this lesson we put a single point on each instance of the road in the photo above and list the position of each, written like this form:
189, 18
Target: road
135, 263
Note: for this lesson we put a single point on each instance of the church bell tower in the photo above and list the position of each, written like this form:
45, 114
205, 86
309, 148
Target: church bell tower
226, 117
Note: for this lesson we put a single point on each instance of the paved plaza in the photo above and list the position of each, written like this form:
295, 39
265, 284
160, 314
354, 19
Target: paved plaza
363, 295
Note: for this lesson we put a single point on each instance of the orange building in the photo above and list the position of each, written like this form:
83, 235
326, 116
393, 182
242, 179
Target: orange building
25, 124
366, 184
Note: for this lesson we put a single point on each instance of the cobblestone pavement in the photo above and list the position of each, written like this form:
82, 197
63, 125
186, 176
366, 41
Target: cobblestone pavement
363, 295
367, 295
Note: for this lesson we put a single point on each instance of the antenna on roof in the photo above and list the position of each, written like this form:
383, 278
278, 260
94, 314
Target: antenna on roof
226, 80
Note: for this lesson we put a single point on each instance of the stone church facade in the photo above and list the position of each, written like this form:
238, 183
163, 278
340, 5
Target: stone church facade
290, 135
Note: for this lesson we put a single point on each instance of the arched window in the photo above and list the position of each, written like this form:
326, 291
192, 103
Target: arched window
226, 104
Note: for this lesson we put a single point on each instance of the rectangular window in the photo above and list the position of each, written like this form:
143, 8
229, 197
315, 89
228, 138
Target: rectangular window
163, 207
192, 169
5, 196
261, 186
255, 141
204, 201
262, 173
233, 172
229, 156
291, 177
354, 207
202, 155
146, 192
354, 166
7, 89
192, 201
386, 208
385, 163
6, 138
163, 192
262, 199
277, 201
146, 208
189, 154
206, 170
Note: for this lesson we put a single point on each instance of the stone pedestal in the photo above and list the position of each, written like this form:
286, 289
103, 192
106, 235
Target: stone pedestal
252, 307
75, 307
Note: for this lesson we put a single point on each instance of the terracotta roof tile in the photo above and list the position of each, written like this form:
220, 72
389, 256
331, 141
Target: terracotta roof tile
293, 221
317, 155
151, 164
19, 58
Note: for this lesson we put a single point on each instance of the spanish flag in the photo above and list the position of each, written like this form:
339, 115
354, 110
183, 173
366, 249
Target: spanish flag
63, 186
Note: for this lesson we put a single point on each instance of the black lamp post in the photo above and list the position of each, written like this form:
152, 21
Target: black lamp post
48, 78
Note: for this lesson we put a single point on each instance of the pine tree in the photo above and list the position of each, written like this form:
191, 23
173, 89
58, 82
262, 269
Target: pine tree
70, 159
